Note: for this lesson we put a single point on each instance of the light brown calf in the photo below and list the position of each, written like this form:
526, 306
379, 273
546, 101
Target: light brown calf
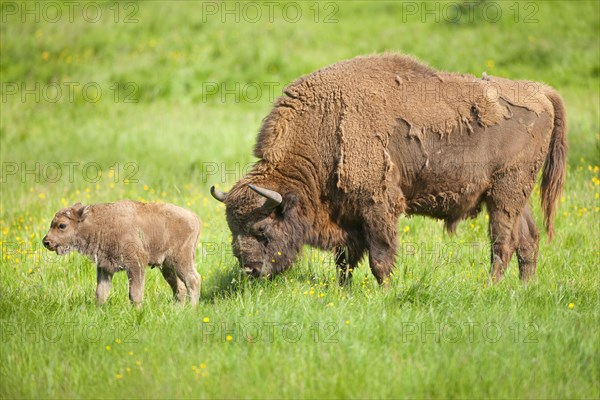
129, 235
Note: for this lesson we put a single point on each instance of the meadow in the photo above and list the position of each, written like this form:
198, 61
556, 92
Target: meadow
157, 101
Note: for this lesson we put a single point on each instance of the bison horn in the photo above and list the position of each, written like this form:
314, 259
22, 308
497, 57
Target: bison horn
217, 194
273, 198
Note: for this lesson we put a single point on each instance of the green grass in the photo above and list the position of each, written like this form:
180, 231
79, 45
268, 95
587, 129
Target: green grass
439, 331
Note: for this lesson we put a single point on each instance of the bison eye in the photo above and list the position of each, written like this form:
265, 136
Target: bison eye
62, 226
261, 235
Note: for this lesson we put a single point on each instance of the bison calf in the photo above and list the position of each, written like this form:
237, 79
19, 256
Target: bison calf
129, 235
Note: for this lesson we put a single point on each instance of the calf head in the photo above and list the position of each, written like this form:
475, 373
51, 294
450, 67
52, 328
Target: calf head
63, 234
267, 228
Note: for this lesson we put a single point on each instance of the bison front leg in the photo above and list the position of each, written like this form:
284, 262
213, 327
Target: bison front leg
381, 261
381, 243
103, 281
528, 244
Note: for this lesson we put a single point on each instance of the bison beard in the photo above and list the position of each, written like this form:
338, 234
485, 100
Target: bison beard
351, 147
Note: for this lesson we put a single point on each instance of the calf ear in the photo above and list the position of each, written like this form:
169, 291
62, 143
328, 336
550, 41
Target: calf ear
74, 209
83, 212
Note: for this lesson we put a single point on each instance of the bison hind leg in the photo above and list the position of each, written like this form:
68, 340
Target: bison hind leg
176, 284
528, 244
502, 227
185, 268
191, 279
508, 205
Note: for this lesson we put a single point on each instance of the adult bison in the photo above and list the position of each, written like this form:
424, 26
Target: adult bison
349, 148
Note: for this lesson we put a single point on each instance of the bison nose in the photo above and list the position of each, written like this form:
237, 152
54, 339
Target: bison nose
252, 269
46, 242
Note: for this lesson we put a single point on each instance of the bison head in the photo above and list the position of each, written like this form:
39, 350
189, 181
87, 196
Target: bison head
267, 230
62, 236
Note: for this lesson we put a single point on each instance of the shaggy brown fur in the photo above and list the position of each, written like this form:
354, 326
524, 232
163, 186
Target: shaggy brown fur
129, 235
353, 146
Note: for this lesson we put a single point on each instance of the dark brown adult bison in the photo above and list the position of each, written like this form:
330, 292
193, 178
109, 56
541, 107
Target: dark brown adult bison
349, 148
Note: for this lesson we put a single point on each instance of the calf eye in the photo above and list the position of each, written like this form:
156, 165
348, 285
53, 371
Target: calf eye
62, 226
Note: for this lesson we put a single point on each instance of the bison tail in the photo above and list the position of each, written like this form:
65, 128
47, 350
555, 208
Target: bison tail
553, 175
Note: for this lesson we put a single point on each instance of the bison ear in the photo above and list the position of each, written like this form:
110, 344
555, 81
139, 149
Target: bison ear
83, 212
290, 200
74, 209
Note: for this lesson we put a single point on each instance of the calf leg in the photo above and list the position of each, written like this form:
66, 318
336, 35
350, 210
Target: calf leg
185, 267
177, 285
136, 274
191, 278
528, 244
103, 281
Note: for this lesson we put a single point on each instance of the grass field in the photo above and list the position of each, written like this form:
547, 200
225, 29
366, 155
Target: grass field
158, 100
